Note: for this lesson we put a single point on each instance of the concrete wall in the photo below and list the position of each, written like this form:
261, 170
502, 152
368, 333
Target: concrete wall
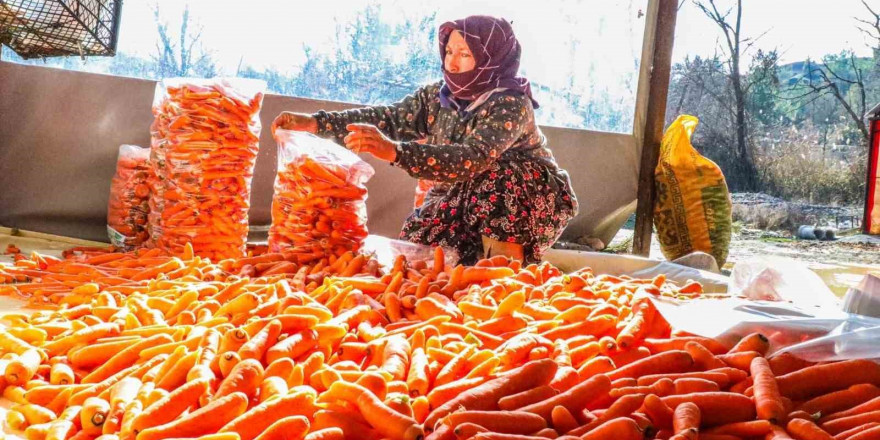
60, 132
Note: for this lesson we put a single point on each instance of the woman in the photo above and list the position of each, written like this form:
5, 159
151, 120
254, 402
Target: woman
496, 189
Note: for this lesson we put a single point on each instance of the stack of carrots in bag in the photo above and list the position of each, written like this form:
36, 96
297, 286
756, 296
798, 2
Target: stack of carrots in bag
129, 193
145, 345
205, 142
319, 206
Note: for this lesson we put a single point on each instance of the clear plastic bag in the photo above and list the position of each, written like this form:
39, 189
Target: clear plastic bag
816, 334
780, 279
319, 207
128, 207
385, 250
205, 142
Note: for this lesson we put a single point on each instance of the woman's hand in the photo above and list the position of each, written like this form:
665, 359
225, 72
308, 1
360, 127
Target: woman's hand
295, 122
365, 138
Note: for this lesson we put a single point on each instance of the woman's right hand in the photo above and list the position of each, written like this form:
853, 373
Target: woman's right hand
295, 122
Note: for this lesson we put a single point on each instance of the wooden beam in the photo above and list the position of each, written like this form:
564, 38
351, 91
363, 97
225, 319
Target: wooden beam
661, 64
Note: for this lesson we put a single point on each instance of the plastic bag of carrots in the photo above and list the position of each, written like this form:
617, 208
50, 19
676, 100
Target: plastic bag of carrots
205, 141
319, 208
128, 207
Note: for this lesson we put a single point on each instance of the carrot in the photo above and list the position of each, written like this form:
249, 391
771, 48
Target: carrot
686, 420
623, 407
841, 400
383, 419
787, 363
326, 434
717, 408
23, 367
768, 401
694, 385
300, 402
777, 433
417, 377
678, 343
60, 374
508, 422
527, 397
658, 412
822, 379
851, 432
202, 421
675, 361
703, 358
870, 405
94, 413
245, 377
171, 406
755, 428
622, 428
717, 377
574, 399
867, 434
741, 360
563, 420
292, 346
466, 431
124, 358
486, 395
841, 424
637, 327
255, 347
802, 429
752, 342
288, 428
176, 375
597, 365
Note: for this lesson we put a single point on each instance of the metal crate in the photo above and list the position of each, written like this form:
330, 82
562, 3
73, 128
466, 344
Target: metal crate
51, 28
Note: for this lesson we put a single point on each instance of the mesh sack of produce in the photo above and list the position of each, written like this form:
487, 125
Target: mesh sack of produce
128, 207
206, 138
692, 209
319, 207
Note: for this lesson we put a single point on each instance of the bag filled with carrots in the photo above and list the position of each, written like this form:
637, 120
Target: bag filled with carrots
319, 208
128, 207
206, 137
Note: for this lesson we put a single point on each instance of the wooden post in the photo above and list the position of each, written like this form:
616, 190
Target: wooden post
661, 64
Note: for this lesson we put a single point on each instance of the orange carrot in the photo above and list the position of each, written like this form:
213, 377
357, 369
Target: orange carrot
250, 424
245, 378
255, 347
686, 420
622, 428
171, 406
839, 425
675, 361
385, 420
658, 412
768, 401
202, 421
802, 429
717, 408
623, 407
574, 399
508, 422
851, 432
841, 400
694, 385
741, 360
288, 428
870, 405
755, 428
752, 342
822, 379
527, 397
703, 358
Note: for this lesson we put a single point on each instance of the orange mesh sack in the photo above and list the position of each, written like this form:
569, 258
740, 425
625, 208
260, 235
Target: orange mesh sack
692, 209
128, 207
319, 207
205, 142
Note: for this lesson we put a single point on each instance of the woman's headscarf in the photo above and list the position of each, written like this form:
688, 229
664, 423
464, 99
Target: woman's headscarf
496, 54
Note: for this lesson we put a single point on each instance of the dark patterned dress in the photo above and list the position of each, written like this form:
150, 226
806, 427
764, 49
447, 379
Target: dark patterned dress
493, 175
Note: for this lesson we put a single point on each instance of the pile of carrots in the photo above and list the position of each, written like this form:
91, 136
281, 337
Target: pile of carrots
128, 207
205, 143
319, 206
146, 346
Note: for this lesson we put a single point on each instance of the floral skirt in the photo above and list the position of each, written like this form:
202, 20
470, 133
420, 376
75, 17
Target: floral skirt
524, 201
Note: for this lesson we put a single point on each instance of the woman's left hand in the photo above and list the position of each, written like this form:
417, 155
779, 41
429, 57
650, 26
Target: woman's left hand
366, 138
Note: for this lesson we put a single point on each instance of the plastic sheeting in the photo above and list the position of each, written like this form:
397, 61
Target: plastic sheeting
813, 333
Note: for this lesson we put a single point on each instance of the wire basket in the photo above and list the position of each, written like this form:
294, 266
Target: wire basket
51, 28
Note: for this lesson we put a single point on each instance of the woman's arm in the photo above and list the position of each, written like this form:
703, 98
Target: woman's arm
406, 120
493, 134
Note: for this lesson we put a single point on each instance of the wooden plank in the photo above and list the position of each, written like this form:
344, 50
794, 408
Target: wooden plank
655, 114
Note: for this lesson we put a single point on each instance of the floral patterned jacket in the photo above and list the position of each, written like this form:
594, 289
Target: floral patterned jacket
455, 146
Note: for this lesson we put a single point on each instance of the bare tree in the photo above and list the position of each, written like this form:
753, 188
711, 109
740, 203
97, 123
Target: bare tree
185, 58
847, 87
735, 47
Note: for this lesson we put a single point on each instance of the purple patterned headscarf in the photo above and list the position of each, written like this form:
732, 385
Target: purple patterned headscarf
496, 54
